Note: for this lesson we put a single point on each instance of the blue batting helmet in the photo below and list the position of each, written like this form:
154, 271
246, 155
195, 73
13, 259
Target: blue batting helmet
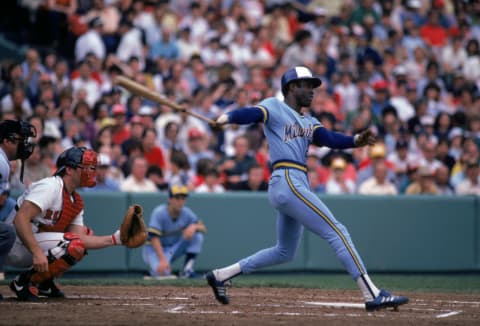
299, 73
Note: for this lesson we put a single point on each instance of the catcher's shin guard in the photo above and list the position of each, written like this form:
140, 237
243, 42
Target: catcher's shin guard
60, 258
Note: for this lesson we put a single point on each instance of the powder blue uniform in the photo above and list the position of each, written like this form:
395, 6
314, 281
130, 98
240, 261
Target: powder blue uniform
289, 135
170, 232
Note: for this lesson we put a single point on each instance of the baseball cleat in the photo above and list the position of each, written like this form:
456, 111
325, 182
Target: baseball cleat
385, 300
24, 291
218, 287
188, 274
50, 289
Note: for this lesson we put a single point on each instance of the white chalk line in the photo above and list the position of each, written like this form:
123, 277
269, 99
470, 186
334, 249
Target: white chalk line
449, 314
336, 304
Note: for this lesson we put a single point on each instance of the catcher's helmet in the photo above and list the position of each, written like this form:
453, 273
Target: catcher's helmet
76, 157
299, 73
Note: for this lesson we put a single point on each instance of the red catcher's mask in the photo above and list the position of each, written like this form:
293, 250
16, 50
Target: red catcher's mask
89, 169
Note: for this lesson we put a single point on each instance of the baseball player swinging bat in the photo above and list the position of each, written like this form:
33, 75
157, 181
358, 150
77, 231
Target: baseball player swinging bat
143, 91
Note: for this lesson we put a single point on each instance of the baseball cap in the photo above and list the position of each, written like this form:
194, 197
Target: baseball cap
320, 11
104, 160
401, 144
400, 70
145, 110
194, 133
414, 3
427, 120
177, 190
425, 171
377, 151
455, 132
380, 85
119, 109
338, 163
136, 119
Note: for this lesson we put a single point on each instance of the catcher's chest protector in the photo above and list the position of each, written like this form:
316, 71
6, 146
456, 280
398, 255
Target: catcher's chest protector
69, 211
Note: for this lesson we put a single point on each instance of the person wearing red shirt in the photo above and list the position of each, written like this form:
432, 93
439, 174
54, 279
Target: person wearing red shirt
151, 151
121, 130
432, 32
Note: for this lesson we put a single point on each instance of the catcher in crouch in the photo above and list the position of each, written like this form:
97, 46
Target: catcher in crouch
51, 236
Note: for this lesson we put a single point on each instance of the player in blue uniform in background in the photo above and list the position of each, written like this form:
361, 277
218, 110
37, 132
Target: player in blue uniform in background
289, 133
174, 230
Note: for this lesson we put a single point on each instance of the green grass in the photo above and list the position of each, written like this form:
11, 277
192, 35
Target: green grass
460, 283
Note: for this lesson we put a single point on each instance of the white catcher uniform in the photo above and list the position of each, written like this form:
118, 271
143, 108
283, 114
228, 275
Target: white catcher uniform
48, 194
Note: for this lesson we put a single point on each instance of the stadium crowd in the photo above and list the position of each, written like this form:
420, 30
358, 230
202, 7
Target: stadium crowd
410, 69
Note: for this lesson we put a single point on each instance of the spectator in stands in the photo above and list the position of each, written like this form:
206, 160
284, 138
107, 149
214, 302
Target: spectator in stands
130, 43
429, 153
85, 82
471, 184
91, 41
378, 184
105, 182
377, 155
442, 181
301, 52
337, 182
255, 180
197, 147
179, 171
137, 181
151, 151
425, 185
211, 183
235, 167
155, 174
120, 129
471, 68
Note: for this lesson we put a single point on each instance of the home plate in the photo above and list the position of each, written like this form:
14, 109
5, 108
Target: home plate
337, 304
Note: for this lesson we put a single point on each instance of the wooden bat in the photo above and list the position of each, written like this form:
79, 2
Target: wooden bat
139, 89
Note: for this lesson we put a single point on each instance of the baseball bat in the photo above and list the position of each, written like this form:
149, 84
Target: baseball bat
143, 91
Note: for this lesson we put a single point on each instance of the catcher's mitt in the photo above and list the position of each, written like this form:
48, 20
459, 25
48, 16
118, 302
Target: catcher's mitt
133, 231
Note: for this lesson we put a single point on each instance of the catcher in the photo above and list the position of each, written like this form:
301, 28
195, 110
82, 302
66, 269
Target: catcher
51, 235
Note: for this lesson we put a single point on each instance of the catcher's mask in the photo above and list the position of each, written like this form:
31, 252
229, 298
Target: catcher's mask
79, 158
19, 132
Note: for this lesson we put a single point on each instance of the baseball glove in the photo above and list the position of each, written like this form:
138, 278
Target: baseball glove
133, 231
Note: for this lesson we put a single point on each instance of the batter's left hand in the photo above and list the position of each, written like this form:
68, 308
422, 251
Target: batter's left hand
366, 137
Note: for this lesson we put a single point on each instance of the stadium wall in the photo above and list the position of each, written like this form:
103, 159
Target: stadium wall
392, 234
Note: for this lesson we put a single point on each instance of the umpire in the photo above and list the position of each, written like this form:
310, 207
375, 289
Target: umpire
13, 145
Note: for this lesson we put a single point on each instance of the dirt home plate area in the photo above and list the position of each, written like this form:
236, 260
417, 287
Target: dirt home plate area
172, 305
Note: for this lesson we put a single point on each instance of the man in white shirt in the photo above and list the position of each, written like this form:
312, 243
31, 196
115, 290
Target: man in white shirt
471, 184
91, 41
378, 184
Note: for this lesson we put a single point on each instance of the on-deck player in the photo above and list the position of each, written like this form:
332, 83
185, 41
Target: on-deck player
289, 133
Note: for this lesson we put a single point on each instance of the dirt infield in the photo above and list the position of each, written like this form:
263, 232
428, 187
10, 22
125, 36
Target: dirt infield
169, 305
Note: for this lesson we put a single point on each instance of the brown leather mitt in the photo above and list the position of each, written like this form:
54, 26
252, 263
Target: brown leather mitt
133, 231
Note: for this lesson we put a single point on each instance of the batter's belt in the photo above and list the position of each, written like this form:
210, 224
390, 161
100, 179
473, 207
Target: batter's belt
289, 165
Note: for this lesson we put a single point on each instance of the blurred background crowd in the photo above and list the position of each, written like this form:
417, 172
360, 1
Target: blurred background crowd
410, 69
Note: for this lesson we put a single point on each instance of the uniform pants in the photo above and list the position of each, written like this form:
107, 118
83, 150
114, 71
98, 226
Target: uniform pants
298, 207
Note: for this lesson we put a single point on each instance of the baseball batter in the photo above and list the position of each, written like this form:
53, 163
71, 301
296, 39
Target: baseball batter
289, 133
51, 236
